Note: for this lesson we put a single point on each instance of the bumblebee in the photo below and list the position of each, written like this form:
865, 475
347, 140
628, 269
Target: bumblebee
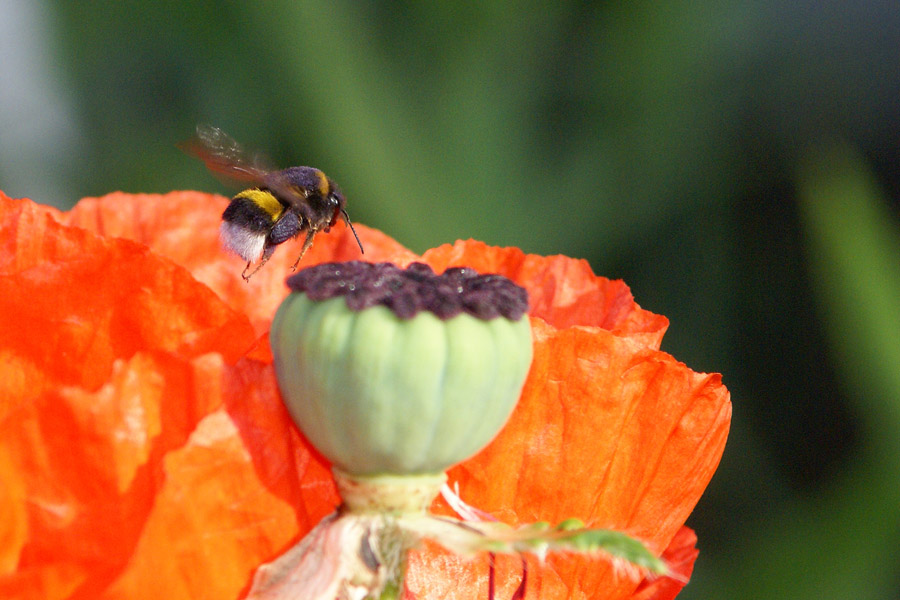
279, 205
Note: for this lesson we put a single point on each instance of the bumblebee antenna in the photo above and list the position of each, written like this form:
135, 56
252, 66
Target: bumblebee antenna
347, 220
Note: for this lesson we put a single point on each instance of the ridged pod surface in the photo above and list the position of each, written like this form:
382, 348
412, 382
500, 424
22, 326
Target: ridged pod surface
378, 394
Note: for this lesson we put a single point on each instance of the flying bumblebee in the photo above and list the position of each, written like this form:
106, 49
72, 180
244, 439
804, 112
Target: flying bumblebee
278, 207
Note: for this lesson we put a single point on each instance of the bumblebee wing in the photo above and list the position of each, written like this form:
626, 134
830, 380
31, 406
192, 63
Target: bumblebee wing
224, 156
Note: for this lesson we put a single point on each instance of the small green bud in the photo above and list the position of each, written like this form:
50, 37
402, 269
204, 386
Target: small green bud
390, 371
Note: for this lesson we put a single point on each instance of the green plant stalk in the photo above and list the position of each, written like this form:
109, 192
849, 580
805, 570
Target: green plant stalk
842, 544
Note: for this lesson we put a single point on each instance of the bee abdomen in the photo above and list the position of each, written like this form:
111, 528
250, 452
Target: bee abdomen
261, 203
247, 221
243, 241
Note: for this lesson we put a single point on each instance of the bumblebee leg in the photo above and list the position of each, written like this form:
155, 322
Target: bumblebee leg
285, 228
306, 244
244, 275
265, 258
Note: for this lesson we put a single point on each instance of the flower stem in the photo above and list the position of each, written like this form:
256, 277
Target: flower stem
395, 495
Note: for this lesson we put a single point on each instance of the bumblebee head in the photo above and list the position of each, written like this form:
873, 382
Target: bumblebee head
309, 193
336, 203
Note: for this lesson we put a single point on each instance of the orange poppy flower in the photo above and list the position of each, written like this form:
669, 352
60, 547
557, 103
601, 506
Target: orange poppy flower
145, 453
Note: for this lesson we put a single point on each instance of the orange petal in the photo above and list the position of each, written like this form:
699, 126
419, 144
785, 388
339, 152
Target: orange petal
14, 524
87, 466
680, 556
141, 457
561, 290
71, 303
177, 479
89, 330
607, 431
184, 227
236, 494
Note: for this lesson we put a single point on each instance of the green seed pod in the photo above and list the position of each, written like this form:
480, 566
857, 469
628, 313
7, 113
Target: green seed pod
377, 393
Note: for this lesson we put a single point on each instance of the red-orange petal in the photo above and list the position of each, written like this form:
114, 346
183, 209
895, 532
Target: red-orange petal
175, 479
607, 431
237, 492
143, 457
184, 227
71, 303
562, 291
680, 556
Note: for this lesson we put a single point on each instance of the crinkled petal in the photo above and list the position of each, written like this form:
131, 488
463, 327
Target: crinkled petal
176, 479
72, 303
228, 501
561, 290
184, 227
680, 556
105, 372
607, 431
142, 457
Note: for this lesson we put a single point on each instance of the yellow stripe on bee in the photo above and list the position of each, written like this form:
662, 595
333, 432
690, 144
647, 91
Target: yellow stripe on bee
324, 187
264, 200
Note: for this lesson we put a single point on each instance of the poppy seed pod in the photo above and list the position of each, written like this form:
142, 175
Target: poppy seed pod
390, 371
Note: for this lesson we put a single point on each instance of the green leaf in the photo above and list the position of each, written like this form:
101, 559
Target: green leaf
854, 257
469, 537
841, 543
614, 543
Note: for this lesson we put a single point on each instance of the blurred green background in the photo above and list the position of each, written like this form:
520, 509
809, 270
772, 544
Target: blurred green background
737, 163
